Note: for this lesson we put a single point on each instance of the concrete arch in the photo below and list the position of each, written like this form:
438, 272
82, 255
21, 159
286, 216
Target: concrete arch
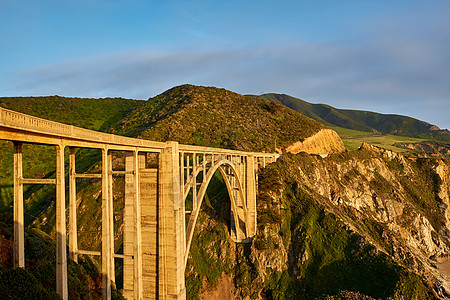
219, 165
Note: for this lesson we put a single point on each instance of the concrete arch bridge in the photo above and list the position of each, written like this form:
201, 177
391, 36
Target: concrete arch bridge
164, 185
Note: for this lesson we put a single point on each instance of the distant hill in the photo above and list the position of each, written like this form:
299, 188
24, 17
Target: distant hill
209, 116
362, 120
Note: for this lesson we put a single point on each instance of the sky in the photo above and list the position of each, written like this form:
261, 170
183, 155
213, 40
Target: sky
384, 56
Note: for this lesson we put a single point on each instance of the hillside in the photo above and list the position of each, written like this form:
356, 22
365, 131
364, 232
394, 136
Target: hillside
354, 221
209, 116
349, 226
98, 114
362, 120
94, 114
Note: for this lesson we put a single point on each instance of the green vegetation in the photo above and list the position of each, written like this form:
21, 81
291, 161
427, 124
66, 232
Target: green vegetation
21, 284
37, 280
95, 114
394, 132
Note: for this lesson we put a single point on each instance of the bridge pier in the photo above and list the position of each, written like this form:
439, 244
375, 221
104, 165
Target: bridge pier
61, 235
132, 261
107, 260
171, 226
19, 242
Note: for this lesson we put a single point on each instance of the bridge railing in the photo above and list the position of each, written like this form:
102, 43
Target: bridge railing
27, 123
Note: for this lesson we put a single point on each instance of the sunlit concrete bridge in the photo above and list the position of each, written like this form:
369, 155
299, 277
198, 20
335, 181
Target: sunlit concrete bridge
162, 201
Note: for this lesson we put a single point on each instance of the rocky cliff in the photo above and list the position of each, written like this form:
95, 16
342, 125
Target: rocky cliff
366, 224
324, 141
309, 215
427, 149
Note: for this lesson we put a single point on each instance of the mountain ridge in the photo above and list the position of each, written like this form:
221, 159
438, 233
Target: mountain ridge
209, 116
361, 120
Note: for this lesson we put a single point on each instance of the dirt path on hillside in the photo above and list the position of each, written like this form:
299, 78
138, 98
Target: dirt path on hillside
443, 264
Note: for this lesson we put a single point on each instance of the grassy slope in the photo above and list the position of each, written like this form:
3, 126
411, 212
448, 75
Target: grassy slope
95, 114
355, 119
209, 116
354, 138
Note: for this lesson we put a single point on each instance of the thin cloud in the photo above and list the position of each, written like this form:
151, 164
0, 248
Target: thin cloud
356, 76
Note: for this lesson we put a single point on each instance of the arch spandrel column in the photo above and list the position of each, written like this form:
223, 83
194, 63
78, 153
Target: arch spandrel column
250, 181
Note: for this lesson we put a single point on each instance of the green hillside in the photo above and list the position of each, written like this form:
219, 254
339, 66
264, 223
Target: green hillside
362, 120
209, 116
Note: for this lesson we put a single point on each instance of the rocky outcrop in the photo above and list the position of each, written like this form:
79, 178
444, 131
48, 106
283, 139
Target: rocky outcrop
324, 141
443, 170
399, 205
427, 149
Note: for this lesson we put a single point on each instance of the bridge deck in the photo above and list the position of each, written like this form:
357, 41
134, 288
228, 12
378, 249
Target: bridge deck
17, 126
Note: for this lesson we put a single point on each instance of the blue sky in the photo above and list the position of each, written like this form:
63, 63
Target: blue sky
384, 56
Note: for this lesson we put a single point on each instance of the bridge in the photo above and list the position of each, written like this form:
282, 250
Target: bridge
162, 201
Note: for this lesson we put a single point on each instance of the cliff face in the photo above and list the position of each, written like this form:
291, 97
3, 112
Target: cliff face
381, 198
324, 141
371, 222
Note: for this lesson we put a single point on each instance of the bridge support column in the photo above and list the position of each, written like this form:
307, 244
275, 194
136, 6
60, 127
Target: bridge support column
106, 230
61, 255
132, 266
171, 226
19, 249
73, 236
251, 195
